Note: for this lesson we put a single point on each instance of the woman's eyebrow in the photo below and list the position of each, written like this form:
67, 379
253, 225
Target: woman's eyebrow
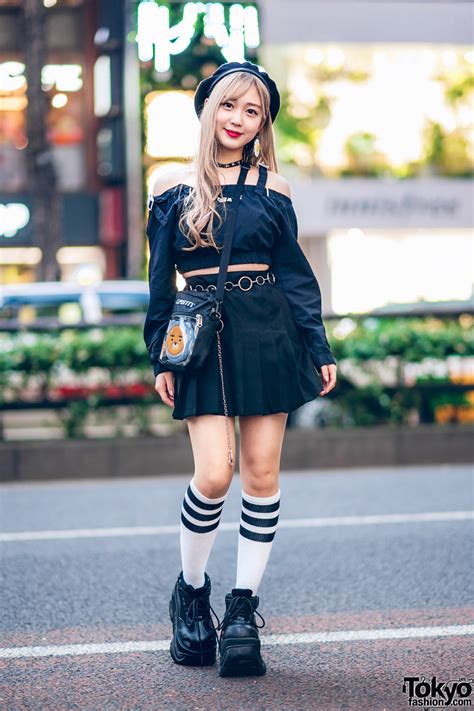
249, 103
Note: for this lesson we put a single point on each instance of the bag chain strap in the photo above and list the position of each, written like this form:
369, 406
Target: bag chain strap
229, 447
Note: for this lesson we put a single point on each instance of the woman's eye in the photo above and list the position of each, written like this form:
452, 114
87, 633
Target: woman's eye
229, 103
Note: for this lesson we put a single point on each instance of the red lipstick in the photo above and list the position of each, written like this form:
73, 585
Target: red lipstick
232, 134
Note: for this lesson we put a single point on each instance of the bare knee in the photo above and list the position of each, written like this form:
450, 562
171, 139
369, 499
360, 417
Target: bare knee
259, 480
214, 484
212, 472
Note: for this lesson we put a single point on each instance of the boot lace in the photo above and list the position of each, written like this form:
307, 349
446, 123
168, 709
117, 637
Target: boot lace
200, 608
240, 606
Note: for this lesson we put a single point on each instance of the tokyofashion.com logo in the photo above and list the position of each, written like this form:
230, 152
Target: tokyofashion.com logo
431, 693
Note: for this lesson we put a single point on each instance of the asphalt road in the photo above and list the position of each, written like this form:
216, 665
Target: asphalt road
369, 582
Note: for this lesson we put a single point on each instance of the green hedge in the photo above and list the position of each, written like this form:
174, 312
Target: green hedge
36, 361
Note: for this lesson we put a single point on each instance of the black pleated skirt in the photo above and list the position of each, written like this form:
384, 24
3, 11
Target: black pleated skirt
267, 366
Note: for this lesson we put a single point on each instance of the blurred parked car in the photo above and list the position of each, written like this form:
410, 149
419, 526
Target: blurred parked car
64, 303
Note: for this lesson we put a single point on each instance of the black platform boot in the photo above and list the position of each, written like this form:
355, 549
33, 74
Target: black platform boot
194, 634
239, 644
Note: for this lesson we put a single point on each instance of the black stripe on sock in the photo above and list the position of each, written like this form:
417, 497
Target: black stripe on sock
260, 522
199, 516
259, 537
260, 508
201, 504
198, 529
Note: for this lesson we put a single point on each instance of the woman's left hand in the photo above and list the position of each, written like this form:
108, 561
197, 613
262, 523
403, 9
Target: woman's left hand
328, 375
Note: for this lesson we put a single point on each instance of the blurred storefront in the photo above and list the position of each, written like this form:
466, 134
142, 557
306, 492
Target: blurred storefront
376, 136
375, 133
379, 146
92, 224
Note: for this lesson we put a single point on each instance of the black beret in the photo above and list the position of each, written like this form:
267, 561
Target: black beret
207, 85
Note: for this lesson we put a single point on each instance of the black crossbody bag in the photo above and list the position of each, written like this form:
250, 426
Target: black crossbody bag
196, 317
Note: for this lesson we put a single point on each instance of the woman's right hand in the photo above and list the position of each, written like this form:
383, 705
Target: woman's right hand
164, 386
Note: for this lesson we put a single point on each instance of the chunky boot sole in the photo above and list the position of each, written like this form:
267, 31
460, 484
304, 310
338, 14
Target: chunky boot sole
241, 657
184, 658
181, 656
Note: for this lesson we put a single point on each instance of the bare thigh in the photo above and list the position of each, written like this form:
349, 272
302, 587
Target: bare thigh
261, 441
212, 471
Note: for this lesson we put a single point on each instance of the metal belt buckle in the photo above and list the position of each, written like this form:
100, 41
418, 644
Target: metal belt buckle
245, 277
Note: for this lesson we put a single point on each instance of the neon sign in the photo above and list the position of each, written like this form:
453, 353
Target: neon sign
102, 86
13, 217
12, 76
155, 37
64, 77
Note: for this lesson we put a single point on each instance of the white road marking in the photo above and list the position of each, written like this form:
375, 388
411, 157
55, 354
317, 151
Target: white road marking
356, 635
267, 640
371, 520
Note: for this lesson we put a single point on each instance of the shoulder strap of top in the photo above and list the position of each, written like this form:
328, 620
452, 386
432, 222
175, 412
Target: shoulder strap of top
162, 198
262, 178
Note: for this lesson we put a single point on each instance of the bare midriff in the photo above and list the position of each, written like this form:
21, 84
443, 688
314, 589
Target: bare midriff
230, 268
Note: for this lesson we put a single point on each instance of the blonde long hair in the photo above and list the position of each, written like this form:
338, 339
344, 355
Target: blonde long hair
198, 212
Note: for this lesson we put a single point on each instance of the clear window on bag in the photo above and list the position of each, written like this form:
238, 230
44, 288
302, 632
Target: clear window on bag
179, 340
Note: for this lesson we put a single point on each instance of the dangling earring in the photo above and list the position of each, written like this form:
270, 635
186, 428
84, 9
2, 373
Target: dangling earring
256, 146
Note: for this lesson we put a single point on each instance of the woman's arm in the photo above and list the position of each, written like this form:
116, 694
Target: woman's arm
161, 274
300, 285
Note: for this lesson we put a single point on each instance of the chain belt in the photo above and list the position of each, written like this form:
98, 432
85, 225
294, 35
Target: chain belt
229, 285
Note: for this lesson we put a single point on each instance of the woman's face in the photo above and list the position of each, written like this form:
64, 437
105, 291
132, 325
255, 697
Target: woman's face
239, 120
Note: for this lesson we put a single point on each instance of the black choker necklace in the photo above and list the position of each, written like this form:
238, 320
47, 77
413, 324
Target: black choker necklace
229, 165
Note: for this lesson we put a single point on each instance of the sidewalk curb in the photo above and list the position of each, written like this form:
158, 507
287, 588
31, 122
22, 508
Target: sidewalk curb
302, 449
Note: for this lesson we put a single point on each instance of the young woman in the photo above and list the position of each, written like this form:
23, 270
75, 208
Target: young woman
272, 344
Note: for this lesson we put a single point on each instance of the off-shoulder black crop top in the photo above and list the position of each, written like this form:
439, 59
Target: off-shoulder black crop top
266, 232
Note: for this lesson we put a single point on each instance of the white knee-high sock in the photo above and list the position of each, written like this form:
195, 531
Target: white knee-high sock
258, 523
200, 518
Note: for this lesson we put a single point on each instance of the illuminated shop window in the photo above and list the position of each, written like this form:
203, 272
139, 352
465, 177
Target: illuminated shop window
371, 268
65, 132
13, 138
375, 110
65, 120
82, 265
172, 126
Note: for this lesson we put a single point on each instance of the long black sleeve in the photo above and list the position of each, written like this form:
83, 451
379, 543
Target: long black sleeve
161, 276
300, 286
